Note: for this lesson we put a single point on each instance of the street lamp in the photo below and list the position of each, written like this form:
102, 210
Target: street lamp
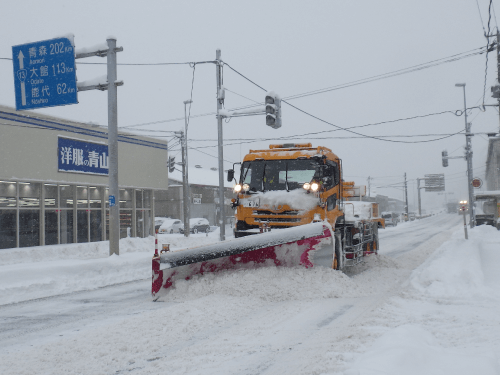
468, 158
185, 180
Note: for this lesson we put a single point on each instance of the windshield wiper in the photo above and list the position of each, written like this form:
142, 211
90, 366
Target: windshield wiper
263, 177
286, 176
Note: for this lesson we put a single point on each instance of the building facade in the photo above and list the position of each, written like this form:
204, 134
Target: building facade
493, 164
203, 196
53, 181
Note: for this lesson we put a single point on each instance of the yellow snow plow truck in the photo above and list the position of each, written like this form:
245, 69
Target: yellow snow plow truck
292, 208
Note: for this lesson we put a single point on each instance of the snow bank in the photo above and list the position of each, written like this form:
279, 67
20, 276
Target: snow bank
460, 267
44, 271
411, 350
88, 250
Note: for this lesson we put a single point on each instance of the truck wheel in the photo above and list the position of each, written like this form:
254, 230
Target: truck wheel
375, 243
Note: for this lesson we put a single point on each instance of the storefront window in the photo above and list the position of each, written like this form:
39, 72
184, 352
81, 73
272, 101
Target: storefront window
147, 198
29, 194
67, 196
95, 196
126, 198
82, 227
8, 193
66, 217
95, 225
29, 228
82, 198
50, 192
51, 233
148, 223
139, 198
7, 229
125, 222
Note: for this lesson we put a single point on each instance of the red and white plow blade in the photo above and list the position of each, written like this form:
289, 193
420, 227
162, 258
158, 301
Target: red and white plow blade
307, 245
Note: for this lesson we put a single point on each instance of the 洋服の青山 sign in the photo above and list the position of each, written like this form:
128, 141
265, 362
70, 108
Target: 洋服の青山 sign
82, 157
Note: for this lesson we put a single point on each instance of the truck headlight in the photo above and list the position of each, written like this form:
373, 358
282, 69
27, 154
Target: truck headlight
237, 188
314, 186
306, 186
246, 187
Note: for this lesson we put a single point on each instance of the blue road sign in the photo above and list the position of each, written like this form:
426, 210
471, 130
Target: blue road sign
44, 74
112, 201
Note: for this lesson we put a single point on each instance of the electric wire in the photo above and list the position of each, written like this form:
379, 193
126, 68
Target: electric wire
339, 127
436, 62
480, 16
487, 36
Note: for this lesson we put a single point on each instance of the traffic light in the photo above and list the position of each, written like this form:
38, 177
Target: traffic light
495, 92
171, 164
444, 155
273, 110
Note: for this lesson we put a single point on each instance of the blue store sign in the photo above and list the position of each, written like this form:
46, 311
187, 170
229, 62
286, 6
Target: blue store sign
82, 157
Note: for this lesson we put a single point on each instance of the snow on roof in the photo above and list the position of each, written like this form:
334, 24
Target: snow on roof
200, 176
488, 194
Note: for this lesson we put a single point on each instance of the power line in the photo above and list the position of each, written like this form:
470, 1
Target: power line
339, 127
444, 60
487, 36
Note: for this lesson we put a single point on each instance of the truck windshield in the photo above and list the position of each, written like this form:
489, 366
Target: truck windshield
265, 175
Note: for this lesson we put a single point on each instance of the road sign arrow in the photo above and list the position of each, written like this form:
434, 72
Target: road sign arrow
21, 59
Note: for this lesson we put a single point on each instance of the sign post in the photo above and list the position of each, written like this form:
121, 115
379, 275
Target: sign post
44, 74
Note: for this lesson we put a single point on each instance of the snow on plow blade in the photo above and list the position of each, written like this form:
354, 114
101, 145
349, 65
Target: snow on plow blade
307, 245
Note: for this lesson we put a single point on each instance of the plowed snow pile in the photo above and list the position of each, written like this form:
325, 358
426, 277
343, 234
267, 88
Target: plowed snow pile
446, 320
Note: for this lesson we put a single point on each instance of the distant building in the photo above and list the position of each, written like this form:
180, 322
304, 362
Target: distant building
203, 193
493, 164
53, 181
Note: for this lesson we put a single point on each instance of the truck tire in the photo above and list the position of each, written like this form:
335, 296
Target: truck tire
375, 243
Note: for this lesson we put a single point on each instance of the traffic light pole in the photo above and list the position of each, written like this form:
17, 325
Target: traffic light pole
185, 185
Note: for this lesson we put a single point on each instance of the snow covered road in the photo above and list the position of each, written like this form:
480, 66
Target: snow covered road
410, 301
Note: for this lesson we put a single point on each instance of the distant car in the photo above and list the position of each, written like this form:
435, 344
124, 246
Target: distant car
170, 226
390, 218
197, 225
159, 221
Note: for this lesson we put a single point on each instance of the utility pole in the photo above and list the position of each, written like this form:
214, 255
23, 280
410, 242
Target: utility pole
419, 201
498, 73
369, 180
114, 210
220, 100
468, 158
406, 198
185, 179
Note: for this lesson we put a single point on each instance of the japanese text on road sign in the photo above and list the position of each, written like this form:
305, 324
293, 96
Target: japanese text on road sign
44, 74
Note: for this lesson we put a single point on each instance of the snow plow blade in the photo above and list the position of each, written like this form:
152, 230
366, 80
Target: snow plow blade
308, 245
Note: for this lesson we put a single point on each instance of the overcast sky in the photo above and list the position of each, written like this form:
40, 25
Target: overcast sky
291, 47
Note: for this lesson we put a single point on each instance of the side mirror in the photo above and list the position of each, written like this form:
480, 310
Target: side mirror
230, 175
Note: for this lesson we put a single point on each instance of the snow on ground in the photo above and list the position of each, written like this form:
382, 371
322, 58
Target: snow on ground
43, 271
446, 318
431, 310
